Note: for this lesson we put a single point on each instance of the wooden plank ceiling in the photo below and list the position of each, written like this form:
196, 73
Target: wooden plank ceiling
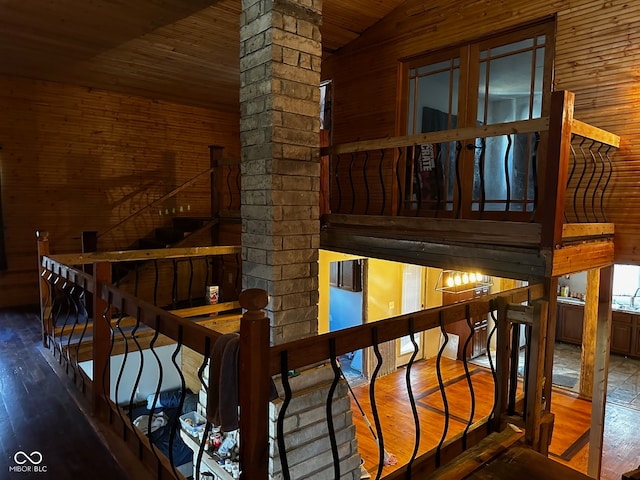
174, 50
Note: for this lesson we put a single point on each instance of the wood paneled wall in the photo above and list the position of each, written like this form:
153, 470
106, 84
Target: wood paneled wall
597, 57
77, 159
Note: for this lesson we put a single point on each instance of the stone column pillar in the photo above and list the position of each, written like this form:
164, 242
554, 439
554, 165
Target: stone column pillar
280, 55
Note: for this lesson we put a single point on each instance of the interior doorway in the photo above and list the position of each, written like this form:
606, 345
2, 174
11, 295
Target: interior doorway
412, 301
346, 309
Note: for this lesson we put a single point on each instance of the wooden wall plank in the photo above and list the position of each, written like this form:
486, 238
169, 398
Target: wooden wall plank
596, 57
78, 159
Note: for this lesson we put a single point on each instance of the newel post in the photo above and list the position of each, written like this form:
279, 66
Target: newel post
101, 336
555, 173
45, 306
254, 385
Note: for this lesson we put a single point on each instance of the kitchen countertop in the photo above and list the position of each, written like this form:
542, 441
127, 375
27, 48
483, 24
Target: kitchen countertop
616, 307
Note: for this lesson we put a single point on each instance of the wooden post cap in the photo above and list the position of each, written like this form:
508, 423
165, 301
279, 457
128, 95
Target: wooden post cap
253, 299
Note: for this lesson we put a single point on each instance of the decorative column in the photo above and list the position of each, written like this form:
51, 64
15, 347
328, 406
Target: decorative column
280, 56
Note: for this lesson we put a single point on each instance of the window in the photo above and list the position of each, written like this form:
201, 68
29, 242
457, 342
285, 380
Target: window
499, 79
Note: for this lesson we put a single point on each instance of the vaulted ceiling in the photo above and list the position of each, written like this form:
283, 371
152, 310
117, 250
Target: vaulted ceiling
184, 51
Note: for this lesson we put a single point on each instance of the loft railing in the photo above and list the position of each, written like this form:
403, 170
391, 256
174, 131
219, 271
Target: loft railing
132, 335
520, 171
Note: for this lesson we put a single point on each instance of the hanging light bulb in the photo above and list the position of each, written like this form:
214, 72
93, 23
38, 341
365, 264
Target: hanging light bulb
450, 281
465, 278
472, 277
457, 280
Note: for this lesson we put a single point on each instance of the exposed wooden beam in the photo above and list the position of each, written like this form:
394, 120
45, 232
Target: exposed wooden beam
578, 258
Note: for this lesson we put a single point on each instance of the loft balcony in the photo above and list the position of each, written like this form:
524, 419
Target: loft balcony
522, 200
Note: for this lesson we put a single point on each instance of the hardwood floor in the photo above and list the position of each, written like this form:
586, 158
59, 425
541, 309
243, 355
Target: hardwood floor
571, 431
39, 417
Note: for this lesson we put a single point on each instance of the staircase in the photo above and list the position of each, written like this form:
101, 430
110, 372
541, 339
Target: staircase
176, 235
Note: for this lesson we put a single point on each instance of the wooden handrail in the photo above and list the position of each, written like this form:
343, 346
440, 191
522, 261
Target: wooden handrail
64, 260
509, 128
594, 133
165, 197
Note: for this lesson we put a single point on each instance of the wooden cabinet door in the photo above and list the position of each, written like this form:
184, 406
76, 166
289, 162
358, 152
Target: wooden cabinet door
635, 345
621, 333
571, 323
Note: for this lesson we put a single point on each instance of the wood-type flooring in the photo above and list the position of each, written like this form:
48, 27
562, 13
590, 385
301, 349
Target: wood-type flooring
570, 442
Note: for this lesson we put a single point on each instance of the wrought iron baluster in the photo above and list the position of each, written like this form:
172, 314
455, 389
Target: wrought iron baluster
412, 400
534, 170
492, 313
441, 386
190, 291
597, 187
372, 399
465, 363
136, 383
203, 385
417, 181
440, 181
84, 328
588, 187
381, 176
579, 184
401, 193
136, 269
366, 183
332, 389
606, 183
106, 388
284, 375
174, 283
458, 179
238, 183
74, 297
353, 189
229, 189
155, 283
507, 176
121, 315
183, 392
337, 179
156, 394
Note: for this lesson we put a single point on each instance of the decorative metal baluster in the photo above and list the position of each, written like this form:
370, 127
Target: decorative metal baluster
121, 315
465, 363
597, 187
492, 313
381, 176
183, 392
366, 183
174, 283
417, 155
399, 180
337, 178
74, 303
353, 189
136, 283
106, 388
606, 183
155, 282
205, 386
134, 389
507, 176
588, 187
156, 394
372, 399
412, 400
284, 376
458, 179
190, 291
84, 329
579, 184
332, 389
481, 165
440, 181
238, 184
441, 386
534, 170
229, 190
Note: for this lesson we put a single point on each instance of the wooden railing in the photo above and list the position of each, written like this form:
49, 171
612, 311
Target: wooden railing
524, 171
127, 327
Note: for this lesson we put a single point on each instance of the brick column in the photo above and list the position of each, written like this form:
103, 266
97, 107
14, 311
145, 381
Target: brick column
280, 55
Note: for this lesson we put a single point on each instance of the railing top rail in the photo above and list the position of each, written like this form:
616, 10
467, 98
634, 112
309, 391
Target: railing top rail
316, 349
179, 329
521, 126
142, 255
73, 275
172, 193
594, 133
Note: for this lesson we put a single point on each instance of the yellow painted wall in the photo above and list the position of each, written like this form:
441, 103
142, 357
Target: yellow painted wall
384, 295
324, 259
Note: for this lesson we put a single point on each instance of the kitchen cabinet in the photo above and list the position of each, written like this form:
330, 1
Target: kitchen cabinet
625, 329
